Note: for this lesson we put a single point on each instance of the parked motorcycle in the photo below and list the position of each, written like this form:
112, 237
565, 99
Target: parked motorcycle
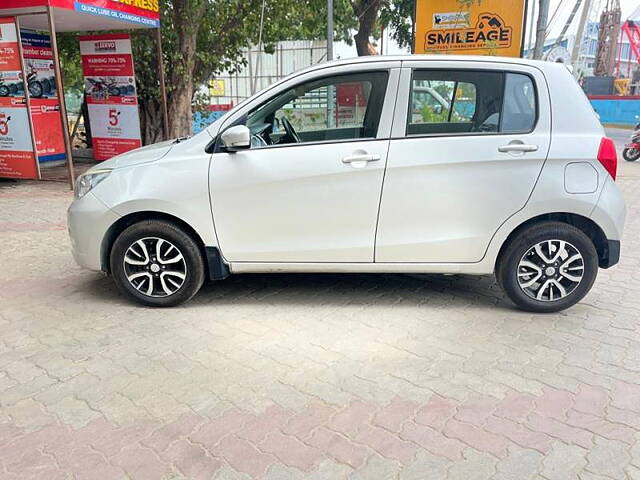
36, 87
103, 89
9, 89
631, 151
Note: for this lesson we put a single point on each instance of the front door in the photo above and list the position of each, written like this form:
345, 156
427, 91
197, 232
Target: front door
308, 190
468, 147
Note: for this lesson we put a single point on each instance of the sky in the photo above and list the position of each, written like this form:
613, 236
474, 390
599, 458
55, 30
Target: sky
628, 7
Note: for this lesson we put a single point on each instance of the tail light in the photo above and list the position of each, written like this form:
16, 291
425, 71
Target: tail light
608, 156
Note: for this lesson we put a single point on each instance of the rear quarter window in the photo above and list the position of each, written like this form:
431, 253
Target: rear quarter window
520, 108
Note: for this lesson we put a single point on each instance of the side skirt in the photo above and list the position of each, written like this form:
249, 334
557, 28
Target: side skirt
482, 268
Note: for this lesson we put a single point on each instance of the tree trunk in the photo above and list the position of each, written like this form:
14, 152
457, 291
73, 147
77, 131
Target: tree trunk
150, 121
367, 13
180, 78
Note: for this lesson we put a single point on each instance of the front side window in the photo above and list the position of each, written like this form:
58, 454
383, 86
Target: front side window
478, 102
344, 107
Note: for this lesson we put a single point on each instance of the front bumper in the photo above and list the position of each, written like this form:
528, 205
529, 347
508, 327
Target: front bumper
88, 220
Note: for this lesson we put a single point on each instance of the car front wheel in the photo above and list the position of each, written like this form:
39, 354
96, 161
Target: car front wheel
548, 267
157, 264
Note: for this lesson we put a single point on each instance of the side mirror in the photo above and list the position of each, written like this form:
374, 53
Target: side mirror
236, 138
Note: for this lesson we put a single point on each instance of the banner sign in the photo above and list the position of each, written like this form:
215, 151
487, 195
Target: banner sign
141, 12
17, 159
45, 106
488, 27
110, 88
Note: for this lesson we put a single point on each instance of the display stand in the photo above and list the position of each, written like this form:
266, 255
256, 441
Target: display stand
55, 16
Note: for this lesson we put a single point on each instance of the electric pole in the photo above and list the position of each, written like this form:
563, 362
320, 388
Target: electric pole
541, 29
577, 46
532, 23
329, 30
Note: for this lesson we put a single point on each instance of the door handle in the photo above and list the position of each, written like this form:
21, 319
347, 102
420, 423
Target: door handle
517, 148
361, 158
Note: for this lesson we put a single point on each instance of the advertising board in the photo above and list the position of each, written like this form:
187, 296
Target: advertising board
17, 159
45, 106
110, 88
485, 27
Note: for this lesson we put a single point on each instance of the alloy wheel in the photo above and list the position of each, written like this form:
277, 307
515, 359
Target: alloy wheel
155, 267
550, 270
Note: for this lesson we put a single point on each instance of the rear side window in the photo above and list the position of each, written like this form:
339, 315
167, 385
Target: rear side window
478, 102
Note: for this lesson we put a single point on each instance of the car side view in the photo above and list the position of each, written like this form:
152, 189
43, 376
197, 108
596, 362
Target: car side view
453, 165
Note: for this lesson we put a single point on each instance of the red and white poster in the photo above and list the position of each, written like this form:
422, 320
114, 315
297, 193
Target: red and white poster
17, 159
112, 100
45, 106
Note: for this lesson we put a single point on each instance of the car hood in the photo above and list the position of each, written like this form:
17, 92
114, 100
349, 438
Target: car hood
150, 153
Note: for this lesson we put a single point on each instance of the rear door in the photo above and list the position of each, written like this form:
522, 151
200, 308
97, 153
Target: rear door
469, 140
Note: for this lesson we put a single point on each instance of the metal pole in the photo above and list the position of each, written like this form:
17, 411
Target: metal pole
60, 89
27, 97
577, 45
413, 26
532, 24
163, 88
329, 30
541, 29
255, 85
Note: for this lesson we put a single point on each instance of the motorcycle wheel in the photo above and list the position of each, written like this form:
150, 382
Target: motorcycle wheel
4, 91
46, 86
35, 89
631, 154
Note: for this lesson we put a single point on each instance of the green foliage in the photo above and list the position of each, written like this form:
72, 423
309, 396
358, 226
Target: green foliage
397, 16
69, 50
431, 114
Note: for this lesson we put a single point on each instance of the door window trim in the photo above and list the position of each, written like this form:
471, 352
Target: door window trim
472, 134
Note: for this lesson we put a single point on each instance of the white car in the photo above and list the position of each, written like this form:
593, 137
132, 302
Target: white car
453, 165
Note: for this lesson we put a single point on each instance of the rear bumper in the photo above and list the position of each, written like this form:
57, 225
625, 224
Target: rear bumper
611, 255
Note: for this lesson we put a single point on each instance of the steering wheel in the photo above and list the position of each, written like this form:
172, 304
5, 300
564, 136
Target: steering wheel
288, 128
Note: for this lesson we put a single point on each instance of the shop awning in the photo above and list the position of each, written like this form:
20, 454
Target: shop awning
85, 15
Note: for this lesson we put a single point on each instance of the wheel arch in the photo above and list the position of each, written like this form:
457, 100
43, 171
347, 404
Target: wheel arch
590, 228
122, 223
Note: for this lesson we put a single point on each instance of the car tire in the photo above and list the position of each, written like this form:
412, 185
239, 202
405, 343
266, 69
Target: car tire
548, 267
156, 263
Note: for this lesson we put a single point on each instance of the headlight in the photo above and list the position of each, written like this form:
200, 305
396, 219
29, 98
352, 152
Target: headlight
87, 181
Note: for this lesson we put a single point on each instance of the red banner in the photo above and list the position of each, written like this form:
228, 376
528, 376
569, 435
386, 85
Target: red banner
17, 159
45, 106
112, 99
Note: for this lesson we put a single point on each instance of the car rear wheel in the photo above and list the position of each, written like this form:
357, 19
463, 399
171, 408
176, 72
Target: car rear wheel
548, 267
157, 264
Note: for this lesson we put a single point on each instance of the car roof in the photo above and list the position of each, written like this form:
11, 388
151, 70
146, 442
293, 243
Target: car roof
429, 58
